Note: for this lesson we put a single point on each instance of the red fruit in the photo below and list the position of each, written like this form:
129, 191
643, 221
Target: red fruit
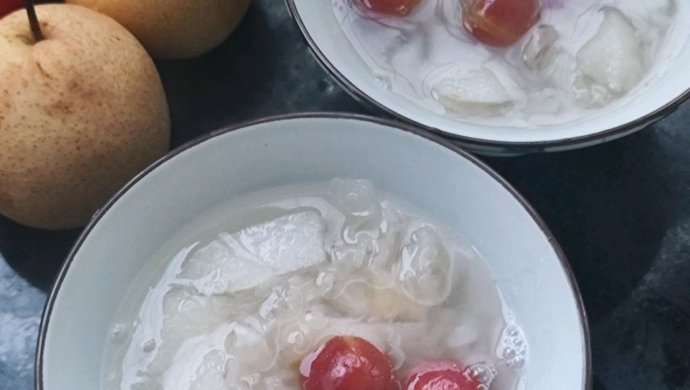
347, 363
440, 375
499, 22
7, 6
390, 7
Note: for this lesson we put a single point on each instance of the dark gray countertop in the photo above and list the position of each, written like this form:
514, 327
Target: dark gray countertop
621, 211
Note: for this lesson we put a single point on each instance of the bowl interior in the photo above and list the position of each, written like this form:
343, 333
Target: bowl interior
452, 187
334, 50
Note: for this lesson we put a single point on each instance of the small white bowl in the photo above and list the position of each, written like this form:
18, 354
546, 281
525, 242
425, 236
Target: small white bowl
656, 97
452, 186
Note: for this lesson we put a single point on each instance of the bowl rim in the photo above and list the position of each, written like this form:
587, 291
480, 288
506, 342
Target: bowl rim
481, 145
393, 124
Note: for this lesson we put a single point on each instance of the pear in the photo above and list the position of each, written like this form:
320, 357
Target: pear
82, 110
174, 28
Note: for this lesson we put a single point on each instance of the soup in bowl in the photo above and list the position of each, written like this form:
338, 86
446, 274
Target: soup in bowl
508, 76
313, 252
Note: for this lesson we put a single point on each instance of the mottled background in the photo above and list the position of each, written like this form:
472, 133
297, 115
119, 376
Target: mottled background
621, 211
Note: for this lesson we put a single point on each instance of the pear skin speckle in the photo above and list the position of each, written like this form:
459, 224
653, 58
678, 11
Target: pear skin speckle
81, 113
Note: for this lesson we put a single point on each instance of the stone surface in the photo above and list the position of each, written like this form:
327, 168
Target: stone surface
20, 316
621, 211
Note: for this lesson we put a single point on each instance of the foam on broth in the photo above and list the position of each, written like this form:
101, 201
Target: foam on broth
582, 57
239, 296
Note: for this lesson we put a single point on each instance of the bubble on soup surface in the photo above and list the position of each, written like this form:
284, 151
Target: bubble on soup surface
471, 91
539, 49
482, 373
149, 345
119, 333
613, 57
247, 258
512, 347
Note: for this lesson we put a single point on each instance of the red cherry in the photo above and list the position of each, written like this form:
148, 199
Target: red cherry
347, 363
440, 375
499, 22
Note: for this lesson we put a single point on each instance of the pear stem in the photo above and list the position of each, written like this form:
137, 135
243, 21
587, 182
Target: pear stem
33, 20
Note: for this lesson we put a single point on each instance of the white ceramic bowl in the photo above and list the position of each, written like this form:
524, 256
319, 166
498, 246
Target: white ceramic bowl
656, 98
453, 187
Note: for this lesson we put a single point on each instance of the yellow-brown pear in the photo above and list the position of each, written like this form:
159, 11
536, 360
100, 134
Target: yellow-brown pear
81, 112
174, 28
